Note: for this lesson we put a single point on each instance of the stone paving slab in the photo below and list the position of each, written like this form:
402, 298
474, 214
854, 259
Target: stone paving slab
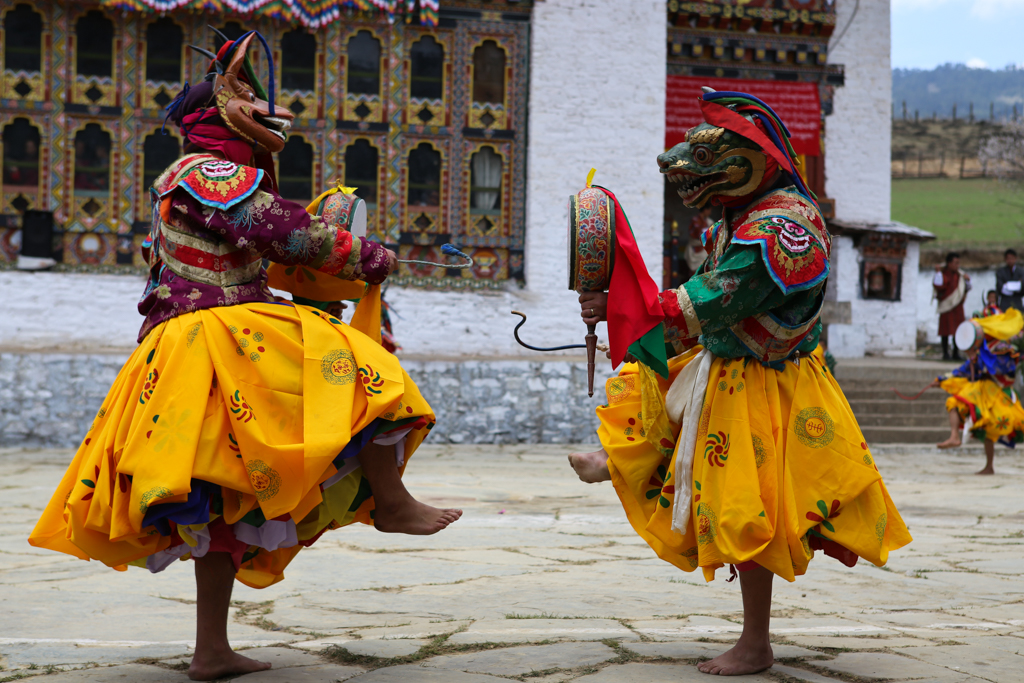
880, 665
321, 673
659, 673
515, 661
532, 630
536, 543
992, 664
411, 673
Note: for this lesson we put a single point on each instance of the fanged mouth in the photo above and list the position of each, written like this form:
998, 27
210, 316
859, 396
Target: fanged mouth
275, 124
691, 185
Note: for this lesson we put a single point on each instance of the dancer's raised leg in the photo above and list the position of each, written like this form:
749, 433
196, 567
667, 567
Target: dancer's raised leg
214, 658
753, 651
395, 510
591, 467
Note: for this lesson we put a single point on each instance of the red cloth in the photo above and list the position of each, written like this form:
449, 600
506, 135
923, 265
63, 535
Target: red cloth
222, 540
205, 128
798, 104
634, 308
950, 320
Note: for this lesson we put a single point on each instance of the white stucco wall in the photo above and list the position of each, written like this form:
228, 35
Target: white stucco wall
857, 134
592, 104
886, 328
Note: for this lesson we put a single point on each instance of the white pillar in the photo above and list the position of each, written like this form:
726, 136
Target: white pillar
858, 133
597, 99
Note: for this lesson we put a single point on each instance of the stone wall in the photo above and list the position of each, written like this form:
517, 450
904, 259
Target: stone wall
48, 400
857, 134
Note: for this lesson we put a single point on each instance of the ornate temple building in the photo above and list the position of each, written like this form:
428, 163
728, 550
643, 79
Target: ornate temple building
424, 115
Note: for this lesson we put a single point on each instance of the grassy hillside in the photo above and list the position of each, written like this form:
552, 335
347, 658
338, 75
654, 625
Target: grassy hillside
975, 212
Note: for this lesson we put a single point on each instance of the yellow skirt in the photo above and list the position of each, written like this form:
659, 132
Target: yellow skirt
226, 430
781, 469
996, 415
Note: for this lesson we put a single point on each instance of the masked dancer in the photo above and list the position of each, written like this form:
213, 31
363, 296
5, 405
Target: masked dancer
741, 449
241, 428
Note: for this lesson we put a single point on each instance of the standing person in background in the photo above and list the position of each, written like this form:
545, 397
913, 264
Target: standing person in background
1009, 282
950, 287
695, 253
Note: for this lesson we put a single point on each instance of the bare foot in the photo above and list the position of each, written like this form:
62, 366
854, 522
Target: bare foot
591, 467
951, 442
413, 517
986, 470
741, 659
210, 667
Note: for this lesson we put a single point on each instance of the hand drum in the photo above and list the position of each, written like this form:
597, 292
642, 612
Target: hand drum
341, 210
591, 240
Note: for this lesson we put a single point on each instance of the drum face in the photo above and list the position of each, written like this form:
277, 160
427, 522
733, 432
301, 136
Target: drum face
968, 336
591, 247
345, 211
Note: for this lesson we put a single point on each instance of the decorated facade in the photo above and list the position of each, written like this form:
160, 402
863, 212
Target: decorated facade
423, 112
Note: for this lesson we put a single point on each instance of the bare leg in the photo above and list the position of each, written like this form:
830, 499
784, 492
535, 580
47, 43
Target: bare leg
591, 467
395, 510
214, 658
753, 651
990, 455
954, 431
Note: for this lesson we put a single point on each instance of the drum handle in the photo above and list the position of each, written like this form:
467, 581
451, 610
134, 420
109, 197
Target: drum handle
448, 250
540, 348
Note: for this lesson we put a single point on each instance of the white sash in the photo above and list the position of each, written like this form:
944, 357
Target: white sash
684, 403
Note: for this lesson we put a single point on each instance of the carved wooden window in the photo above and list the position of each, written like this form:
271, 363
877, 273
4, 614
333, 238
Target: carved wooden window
363, 64
232, 30
361, 164
295, 177
298, 60
94, 35
164, 39
21, 155
158, 152
92, 161
23, 39
426, 82
424, 176
489, 73
485, 182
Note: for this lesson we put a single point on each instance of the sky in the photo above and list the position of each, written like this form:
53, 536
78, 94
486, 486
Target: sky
979, 33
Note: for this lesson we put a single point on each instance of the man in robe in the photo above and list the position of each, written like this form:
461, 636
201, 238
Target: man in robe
1009, 282
950, 286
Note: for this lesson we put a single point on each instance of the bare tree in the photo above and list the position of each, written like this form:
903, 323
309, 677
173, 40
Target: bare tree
1002, 151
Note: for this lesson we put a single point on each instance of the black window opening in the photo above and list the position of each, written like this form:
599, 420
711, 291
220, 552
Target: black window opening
295, 166
232, 29
424, 176
158, 153
485, 182
363, 64
298, 60
361, 170
427, 77
164, 40
21, 155
92, 161
489, 73
23, 39
94, 36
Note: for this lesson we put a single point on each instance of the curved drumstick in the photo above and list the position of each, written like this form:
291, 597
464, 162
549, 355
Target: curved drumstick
540, 348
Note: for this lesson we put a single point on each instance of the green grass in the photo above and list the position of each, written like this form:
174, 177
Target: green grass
968, 212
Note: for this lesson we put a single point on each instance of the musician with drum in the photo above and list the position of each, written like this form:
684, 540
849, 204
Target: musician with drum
981, 400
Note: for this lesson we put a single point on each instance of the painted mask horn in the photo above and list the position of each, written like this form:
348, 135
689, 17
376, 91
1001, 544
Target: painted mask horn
252, 118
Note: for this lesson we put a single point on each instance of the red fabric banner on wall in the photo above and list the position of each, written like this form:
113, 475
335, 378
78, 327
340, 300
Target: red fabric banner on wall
797, 104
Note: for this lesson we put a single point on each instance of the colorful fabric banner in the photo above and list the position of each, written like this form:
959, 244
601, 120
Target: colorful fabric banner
797, 104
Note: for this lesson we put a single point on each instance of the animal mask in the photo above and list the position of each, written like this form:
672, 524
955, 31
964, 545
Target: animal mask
253, 119
713, 162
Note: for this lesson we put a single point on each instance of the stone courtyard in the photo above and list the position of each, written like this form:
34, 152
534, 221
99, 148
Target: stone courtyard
541, 580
